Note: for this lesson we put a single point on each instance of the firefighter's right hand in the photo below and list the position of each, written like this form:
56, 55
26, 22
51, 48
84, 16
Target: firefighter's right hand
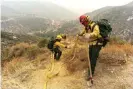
68, 47
87, 36
77, 35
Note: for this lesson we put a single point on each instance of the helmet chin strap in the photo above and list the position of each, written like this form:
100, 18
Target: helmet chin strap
85, 23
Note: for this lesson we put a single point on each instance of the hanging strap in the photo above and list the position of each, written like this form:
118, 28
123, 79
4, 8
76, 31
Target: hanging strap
92, 29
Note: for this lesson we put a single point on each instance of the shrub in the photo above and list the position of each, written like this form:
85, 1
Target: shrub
12, 66
32, 52
42, 43
117, 40
113, 55
128, 48
76, 60
4, 53
17, 50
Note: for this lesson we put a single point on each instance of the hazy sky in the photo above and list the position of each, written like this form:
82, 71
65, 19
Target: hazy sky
84, 5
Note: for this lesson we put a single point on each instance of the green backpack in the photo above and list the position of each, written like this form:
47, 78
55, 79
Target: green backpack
105, 29
50, 44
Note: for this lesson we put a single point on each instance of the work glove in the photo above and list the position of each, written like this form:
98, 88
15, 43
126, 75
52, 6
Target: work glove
79, 34
87, 36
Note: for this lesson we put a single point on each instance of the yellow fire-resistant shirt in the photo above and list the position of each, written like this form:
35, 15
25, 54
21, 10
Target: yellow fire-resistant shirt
93, 35
59, 44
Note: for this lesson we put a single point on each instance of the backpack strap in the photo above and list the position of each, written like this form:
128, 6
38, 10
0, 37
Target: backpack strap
87, 28
93, 27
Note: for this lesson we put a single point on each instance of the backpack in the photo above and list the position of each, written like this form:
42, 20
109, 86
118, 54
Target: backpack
50, 44
105, 30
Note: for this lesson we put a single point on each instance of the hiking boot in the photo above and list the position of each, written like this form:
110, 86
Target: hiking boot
88, 78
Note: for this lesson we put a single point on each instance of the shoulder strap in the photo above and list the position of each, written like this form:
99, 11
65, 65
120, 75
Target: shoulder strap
93, 27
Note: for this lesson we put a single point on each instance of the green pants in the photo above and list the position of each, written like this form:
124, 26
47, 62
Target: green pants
93, 54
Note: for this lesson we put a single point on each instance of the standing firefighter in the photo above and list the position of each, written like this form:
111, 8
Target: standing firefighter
97, 37
55, 45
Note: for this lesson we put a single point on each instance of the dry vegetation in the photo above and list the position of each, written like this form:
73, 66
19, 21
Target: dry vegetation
29, 62
21, 54
114, 54
75, 60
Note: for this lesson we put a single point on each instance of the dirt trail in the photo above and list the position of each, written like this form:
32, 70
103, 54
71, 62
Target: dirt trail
106, 77
32, 74
114, 77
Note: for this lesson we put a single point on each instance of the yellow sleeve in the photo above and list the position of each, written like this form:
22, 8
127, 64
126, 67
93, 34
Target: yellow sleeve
95, 32
60, 44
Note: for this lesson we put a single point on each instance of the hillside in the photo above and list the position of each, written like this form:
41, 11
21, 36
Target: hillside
7, 11
43, 27
41, 9
29, 67
130, 4
120, 17
28, 25
14, 38
69, 27
26, 65
10, 39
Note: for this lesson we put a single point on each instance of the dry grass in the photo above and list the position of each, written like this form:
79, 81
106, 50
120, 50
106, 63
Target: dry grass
32, 71
113, 55
12, 66
42, 60
24, 49
128, 48
21, 54
17, 50
33, 52
79, 62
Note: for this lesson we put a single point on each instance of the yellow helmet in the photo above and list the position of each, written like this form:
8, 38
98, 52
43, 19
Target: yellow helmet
59, 37
88, 18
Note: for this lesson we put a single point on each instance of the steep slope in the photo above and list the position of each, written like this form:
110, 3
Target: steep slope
120, 17
11, 25
9, 39
25, 73
28, 25
7, 11
98, 11
43, 9
130, 4
69, 27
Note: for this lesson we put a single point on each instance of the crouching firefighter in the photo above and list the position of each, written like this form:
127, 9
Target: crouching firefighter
92, 31
55, 45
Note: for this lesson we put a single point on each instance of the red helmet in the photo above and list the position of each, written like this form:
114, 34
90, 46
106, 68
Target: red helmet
84, 19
